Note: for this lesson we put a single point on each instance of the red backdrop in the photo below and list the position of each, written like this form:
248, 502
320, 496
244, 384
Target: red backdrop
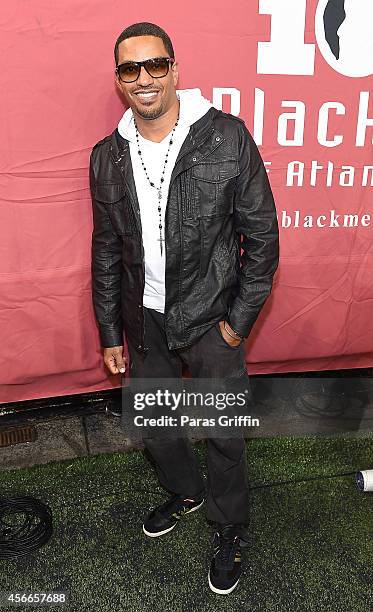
273, 62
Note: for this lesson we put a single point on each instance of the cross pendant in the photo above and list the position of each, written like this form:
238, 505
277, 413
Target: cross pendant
160, 240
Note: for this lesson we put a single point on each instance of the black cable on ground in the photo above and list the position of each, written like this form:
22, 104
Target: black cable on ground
308, 479
17, 537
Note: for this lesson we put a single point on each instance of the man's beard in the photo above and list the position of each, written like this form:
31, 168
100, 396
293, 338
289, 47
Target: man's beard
150, 113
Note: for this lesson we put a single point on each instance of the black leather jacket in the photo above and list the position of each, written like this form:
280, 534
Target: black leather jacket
219, 202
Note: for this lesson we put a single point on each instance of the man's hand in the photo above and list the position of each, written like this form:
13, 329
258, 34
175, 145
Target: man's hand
229, 340
114, 360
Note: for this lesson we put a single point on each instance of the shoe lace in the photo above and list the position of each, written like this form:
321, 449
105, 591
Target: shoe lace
226, 541
175, 507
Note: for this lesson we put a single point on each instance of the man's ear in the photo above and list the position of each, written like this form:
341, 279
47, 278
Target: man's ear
117, 84
175, 72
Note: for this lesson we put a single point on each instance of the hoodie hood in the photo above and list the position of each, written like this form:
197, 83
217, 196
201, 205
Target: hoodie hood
192, 107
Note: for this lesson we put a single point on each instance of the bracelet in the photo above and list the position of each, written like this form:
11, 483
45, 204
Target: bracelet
236, 337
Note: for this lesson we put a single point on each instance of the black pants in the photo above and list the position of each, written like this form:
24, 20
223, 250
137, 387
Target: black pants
176, 464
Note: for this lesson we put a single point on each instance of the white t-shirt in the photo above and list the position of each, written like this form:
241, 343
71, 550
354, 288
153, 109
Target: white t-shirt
153, 156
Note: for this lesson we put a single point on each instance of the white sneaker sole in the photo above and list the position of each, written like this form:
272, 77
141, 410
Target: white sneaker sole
221, 591
159, 533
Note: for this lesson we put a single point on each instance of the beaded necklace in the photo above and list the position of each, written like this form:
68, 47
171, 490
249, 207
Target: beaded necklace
159, 189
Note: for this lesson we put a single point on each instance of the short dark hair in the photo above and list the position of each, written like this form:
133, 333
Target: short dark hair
144, 29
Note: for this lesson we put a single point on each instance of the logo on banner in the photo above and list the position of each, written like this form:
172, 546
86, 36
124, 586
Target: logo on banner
344, 35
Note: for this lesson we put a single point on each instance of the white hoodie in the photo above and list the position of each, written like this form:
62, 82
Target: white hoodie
192, 107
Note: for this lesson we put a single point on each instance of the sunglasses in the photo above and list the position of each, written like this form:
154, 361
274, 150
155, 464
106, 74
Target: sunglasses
156, 67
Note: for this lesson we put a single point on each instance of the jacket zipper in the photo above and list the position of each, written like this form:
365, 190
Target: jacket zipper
180, 216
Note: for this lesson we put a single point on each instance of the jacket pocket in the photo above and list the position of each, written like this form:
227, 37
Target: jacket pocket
213, 184
118, 207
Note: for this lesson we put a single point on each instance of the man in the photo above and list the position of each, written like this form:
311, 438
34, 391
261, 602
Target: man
174, 188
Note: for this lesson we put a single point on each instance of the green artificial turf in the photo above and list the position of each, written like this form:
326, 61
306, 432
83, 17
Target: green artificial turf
311, 540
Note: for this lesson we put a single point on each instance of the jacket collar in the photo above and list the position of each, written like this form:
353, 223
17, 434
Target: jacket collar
201, 140
199, 136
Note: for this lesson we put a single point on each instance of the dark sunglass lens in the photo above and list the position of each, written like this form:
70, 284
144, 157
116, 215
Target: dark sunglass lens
157, 68
128, 72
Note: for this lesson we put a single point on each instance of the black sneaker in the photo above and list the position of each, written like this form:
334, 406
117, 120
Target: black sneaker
165, 517
225, 569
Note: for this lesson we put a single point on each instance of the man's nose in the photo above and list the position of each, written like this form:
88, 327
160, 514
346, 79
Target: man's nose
144, 78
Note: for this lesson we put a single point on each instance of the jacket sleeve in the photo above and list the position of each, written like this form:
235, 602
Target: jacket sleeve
256, 220
106, 271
